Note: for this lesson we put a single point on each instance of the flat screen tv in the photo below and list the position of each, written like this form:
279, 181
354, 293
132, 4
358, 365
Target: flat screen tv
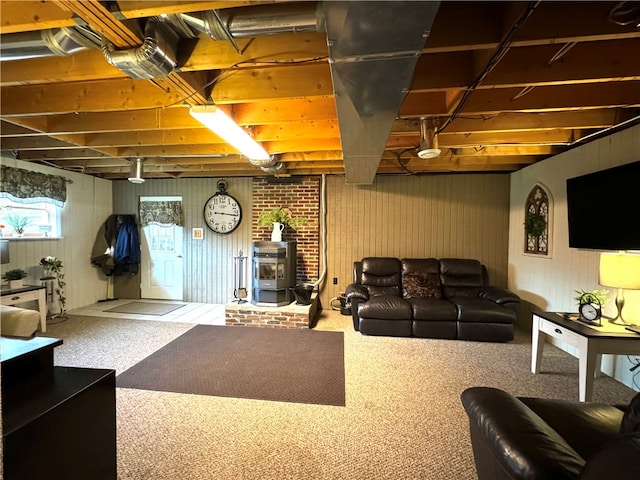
604, 209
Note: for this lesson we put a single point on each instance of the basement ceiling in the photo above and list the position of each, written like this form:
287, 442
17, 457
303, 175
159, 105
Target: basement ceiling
506, 83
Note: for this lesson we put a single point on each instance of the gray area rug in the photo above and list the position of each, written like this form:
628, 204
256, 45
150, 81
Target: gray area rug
146, 308
299, 366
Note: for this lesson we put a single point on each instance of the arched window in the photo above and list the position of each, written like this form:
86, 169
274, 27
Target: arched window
536, 222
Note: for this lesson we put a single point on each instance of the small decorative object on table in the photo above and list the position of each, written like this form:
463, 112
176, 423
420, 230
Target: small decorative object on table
590, 306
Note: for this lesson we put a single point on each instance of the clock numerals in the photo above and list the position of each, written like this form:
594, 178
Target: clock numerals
222, 213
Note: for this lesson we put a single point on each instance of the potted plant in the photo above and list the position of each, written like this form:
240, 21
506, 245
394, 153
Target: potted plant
53, 269
18, 223
279, 217
535, 224
15, 277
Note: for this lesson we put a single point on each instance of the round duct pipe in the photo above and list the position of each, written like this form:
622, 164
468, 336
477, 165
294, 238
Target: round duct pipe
136, 170
279, 167
428, 140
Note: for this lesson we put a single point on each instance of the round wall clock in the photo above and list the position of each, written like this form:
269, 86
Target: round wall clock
222, 213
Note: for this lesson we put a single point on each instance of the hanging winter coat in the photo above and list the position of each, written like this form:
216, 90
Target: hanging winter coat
127, 249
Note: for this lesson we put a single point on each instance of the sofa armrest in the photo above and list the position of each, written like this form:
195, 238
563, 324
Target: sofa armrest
519, 443
356, 290
18, 322
499, 295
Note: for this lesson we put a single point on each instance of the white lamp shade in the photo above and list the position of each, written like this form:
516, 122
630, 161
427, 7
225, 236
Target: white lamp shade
620, 270
222, 125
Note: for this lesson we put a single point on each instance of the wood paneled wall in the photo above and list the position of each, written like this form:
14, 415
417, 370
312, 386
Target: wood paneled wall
462, 216
88, 204
208, 263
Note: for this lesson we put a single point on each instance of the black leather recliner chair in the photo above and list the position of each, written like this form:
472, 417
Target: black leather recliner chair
536, 438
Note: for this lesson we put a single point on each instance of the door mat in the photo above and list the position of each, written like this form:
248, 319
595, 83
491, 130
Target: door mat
282, 365
146, 308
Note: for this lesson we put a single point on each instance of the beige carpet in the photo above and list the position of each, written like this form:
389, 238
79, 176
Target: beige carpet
403, 418
146, 308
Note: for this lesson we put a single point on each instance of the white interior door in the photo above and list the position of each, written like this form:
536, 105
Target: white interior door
161, 261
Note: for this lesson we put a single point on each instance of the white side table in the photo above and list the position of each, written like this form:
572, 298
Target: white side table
590, 341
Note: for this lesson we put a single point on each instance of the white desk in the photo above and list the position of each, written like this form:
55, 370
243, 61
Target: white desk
590, 341
28, 293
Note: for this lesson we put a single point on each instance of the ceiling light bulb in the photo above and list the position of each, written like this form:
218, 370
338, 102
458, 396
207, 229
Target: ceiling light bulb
136, 170
428, 141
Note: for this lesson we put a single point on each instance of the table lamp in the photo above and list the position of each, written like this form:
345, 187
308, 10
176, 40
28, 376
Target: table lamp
621, 271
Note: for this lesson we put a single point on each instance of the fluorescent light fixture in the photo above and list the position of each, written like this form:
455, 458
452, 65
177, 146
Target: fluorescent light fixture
136, 170
219, 123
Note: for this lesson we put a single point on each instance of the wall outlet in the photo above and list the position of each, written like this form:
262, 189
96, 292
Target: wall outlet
335, 280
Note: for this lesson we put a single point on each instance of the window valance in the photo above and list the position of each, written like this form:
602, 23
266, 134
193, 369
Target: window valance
25, 186
161, 213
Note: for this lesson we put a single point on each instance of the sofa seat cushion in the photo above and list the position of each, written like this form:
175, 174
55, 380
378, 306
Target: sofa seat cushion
388, 307
479, 310
433, 309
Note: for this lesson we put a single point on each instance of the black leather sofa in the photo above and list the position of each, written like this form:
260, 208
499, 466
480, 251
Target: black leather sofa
535, 438
449, 298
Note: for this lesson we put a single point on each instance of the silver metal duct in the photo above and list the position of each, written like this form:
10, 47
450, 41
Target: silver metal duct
263, 163
155, 58
253, 21
136, 170
428, 140
279, 167
373, 50
47, 43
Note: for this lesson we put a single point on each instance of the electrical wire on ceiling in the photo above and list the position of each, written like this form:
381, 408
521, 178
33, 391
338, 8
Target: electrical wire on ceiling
232, 68
502, 50
559, 54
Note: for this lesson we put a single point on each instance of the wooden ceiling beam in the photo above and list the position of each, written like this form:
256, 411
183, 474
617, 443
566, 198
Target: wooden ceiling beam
540, 99
149, 8
557, 97
584, 63
32, 15
456, 26
129, 94
272, 83
277, 112
207, 55
516, 121
70, 153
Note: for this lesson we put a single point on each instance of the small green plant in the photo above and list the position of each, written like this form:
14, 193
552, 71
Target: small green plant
15, 274
18, 222
53, 267
535, 224
280, 215
598, 296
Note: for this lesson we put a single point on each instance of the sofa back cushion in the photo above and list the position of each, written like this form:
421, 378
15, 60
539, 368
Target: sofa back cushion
381, 275
421, 278
461, 277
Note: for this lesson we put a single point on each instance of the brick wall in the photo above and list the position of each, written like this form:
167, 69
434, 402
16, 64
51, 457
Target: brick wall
303, 199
